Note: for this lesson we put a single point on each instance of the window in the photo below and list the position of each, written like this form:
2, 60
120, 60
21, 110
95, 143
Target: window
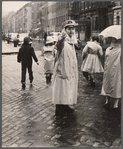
86, 5
89, 4
67, 4
82, 5
118, 20
110, 19
95, 23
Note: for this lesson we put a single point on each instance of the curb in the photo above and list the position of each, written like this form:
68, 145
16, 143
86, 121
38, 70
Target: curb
9, 53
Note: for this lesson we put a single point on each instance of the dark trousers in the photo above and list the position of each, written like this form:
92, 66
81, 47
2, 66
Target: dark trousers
23, 75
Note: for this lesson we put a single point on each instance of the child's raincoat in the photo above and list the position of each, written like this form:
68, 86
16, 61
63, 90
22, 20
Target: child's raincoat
49, 54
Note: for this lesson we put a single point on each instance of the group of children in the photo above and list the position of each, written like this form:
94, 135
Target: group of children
61, 62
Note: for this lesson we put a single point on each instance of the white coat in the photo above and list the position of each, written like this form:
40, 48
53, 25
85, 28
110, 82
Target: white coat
91, 62
49, 59
65, 84
112, 72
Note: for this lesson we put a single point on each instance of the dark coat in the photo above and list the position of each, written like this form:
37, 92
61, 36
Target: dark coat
25, 54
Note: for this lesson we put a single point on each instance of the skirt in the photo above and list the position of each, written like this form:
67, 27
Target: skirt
92, 64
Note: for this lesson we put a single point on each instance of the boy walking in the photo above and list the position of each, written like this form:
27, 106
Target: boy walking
25, 54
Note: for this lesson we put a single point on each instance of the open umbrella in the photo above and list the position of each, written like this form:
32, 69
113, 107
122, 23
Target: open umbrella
112, 31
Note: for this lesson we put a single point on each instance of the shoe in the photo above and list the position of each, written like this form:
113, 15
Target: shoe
93, 84
23, 85
106, 106
115, 110
31, 81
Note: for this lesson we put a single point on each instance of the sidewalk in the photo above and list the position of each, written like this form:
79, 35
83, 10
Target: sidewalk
10, 50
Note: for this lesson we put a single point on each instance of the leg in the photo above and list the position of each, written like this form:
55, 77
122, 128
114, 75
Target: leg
107, 103
59, 110
116, 101
115, 107
107, 100
50, 78
30, 73
46, 76
92, 79
23, 75
85, 74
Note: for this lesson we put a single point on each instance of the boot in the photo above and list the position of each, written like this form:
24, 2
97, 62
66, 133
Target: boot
50, 78
23, 85
85, 74
47, 80
92, 83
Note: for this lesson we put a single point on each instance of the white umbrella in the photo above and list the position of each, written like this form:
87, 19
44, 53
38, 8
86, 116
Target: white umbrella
112, 31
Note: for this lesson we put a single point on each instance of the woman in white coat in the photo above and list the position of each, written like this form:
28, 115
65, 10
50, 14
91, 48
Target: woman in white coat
111, 87
65, 84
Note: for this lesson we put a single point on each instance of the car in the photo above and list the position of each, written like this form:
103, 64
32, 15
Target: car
13, 36
8, 38
21, 38
54, 35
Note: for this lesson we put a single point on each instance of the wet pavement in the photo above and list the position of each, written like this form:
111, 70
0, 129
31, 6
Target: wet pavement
28, 116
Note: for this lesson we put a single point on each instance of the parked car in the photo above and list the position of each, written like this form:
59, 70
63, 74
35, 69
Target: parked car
13, 36
54, 35
21, 38
14, 39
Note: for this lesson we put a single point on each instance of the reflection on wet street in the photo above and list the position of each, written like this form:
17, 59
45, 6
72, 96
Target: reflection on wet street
29, 120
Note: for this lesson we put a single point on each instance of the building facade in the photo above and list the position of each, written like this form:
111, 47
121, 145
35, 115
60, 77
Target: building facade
58, 12
47, 16
117, 13
93, 17
8, 23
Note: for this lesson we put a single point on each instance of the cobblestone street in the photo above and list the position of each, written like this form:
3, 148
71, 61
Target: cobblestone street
28, 116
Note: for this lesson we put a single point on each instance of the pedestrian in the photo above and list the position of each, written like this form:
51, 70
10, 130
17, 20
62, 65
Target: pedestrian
65, 83
111, 87
49, 56
91, 63
25, 54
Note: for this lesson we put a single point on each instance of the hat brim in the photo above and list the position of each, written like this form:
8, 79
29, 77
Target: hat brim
50, 42
72, 24
50, 49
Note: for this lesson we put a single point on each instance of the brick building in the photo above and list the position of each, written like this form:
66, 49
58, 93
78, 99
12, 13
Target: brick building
46, 16
93, 17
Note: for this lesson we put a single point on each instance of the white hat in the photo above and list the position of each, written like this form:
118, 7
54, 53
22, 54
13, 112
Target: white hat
49, 48
69, 23
49, 40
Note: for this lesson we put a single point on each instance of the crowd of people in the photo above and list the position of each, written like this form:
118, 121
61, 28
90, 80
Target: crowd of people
60, 62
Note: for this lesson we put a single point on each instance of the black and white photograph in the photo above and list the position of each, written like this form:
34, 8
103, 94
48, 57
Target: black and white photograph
61, 74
